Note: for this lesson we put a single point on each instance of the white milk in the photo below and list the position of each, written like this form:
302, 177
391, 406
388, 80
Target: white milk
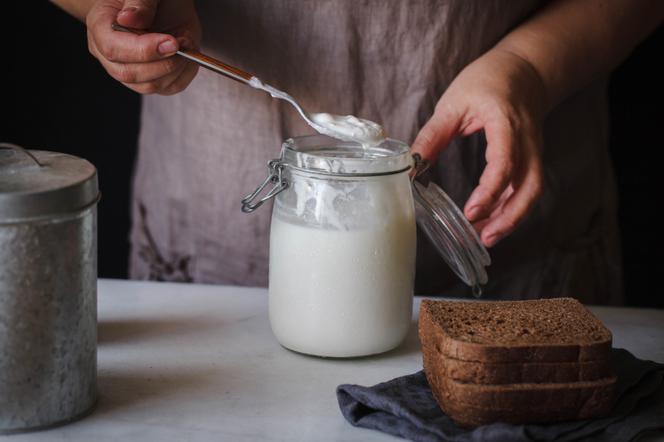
342, 293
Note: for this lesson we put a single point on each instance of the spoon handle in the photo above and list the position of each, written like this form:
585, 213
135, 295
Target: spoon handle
204, 60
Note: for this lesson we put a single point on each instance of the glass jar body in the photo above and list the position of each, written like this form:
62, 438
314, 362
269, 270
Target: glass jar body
342, 263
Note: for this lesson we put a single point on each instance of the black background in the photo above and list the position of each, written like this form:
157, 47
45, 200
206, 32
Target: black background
55, 96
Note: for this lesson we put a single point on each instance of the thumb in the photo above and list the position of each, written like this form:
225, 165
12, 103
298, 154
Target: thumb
137, 14
436, 134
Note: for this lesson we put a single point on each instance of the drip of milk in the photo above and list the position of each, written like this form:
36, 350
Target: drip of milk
341, 293
273, 91
342, 127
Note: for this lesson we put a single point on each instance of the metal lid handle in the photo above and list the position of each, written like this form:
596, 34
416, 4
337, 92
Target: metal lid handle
20, 149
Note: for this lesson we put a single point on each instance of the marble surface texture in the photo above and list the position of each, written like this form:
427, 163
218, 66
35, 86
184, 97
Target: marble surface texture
192, 362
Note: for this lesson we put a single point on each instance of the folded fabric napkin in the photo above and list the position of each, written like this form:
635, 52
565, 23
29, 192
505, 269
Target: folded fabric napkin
405, 407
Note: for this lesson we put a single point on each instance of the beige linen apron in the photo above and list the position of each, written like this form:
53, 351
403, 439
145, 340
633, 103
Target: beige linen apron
202, 150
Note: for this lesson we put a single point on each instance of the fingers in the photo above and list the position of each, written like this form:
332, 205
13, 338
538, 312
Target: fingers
132, 73
165, 77
527, 189
144, 63
125, 47
437, 133
158, 86
168, 85
182, 81
137, 14
500, 160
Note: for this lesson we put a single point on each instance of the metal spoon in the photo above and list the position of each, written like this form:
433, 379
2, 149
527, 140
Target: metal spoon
238, 74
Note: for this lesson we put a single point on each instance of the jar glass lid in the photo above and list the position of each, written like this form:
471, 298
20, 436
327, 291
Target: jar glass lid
451, 233
441, 220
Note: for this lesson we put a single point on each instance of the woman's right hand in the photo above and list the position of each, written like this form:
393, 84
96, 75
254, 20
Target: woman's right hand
145, 63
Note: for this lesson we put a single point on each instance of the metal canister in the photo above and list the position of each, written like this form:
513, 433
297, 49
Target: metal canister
48, 288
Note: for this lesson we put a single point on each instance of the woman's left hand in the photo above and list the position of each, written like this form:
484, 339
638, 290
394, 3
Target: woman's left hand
503, 95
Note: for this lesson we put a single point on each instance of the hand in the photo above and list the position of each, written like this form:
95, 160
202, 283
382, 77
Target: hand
145, 63
502, 94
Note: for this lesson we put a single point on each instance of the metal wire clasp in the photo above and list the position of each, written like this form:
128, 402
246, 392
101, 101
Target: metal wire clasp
420, 166
275, 177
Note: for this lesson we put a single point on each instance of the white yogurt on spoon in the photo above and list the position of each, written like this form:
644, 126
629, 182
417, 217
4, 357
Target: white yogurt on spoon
349, 128
343, 127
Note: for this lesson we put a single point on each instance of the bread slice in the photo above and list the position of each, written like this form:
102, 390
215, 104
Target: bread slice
516, 361
474, 404
524, 396
471, 416
514, 372
544, 330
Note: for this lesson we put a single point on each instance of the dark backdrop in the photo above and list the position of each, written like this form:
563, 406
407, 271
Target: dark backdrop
55, 96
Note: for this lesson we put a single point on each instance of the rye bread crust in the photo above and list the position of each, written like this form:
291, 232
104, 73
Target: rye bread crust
515, 373
516, 362
523, 396
434, 334
470, 417
472, 405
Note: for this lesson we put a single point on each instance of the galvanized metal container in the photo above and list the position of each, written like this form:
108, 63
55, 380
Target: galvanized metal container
48, 288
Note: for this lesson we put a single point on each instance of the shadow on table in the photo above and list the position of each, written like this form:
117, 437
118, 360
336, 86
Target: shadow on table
139, 385
409, 346
141, 329
139, 391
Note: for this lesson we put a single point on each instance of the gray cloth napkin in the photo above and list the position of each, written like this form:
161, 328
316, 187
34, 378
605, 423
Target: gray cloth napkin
405, 407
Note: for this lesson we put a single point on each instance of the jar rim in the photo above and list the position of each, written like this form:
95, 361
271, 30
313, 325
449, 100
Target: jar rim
329, 156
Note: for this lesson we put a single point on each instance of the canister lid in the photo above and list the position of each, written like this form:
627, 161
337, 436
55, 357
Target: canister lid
451, 233
37, 183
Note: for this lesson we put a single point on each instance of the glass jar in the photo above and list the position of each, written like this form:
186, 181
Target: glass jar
343, 242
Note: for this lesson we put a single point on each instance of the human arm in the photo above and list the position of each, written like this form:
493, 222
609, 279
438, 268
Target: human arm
508, 91
77, 8
145, 63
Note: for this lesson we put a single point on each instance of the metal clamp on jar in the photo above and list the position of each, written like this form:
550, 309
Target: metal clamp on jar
343, 240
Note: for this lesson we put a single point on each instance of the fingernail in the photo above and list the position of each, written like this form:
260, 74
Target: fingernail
492, 240
474, 199
473, 212
129, 9
167, 47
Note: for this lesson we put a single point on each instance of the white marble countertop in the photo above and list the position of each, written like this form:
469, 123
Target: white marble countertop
191, 362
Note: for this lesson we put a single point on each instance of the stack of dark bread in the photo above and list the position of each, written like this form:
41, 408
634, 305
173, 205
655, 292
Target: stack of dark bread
516, 361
